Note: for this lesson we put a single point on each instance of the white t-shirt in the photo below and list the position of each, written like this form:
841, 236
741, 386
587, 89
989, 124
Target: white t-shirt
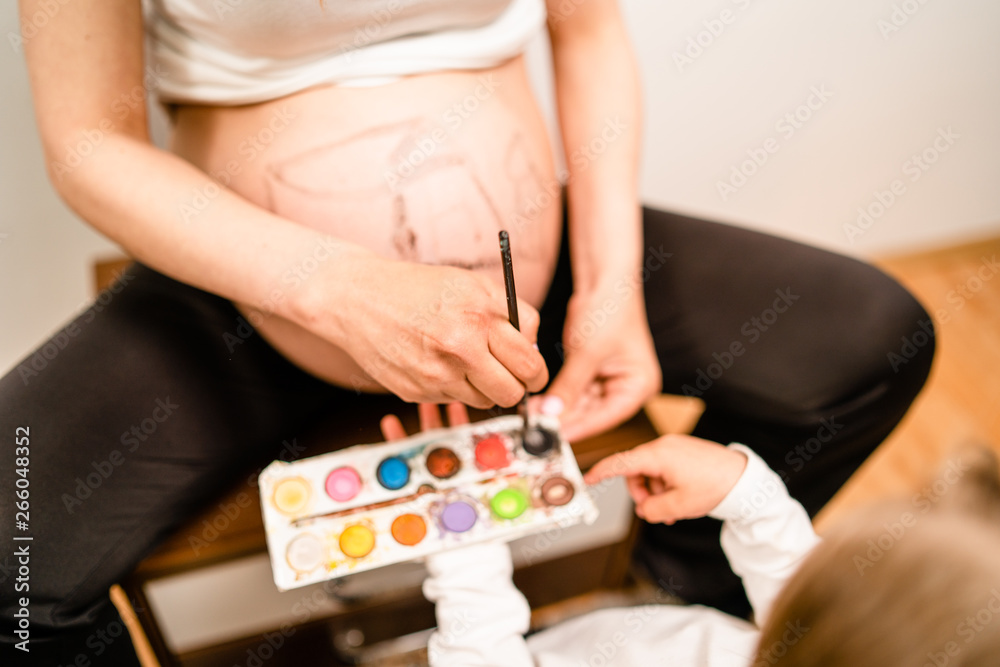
244, 51
482, 617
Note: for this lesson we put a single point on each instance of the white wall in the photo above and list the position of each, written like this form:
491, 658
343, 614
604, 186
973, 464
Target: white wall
44, 249
891, 92
889, 97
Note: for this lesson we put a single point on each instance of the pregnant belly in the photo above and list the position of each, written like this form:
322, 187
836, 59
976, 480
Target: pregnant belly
428, 169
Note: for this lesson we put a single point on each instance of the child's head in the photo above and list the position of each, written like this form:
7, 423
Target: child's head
914, 583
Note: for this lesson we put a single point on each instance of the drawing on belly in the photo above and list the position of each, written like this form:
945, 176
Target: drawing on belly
523, 177
424, 202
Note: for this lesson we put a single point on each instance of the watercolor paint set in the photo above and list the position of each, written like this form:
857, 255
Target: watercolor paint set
372, 505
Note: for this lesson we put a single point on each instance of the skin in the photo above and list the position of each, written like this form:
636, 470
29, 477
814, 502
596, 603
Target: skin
430, 418
674, 477
671, 478
430, 332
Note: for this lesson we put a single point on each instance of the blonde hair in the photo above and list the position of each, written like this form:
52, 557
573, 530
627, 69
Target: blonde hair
913, 583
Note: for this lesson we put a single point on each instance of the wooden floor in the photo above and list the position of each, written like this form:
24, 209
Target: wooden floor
960, 287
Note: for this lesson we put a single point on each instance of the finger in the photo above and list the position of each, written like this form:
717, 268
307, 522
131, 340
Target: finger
639, 461
549, 405
663, 508
413, 391
518, 356
430, 416
392, 428
572, 381
457, 413
620, 403
465, 392
528, 320
637, 488
490, 378
586, 401
656, 486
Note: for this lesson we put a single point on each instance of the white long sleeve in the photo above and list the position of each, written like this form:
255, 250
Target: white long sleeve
765, 532
481, 616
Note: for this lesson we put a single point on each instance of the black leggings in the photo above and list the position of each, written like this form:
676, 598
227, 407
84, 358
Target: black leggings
143, 409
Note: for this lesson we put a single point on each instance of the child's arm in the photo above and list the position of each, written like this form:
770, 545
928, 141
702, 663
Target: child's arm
481, 616
765, 532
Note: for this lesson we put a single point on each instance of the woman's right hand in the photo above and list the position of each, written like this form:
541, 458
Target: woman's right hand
431, 334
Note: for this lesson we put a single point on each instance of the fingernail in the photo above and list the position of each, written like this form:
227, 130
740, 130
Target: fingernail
552, 406
535, 345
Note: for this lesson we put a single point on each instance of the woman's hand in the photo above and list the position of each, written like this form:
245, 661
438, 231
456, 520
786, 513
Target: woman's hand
674, 477
610, 368
432, 334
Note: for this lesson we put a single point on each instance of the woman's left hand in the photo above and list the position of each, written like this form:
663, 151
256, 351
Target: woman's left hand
610, 368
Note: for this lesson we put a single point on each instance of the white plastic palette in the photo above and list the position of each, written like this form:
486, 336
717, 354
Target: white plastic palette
372, 505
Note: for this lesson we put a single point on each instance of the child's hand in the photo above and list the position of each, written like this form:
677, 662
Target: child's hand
674, 477
430, 418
